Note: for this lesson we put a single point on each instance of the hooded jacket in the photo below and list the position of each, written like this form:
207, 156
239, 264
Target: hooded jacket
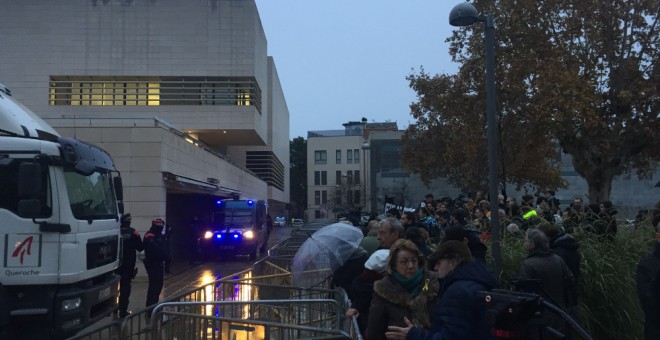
391, 302
459, 313
568, 248
156, 249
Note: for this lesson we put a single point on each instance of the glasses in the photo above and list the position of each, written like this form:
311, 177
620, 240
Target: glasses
405, 262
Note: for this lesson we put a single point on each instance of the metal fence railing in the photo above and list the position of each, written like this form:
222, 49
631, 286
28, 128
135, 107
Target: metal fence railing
258, 303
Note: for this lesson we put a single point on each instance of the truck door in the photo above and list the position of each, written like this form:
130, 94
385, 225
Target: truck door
30, 252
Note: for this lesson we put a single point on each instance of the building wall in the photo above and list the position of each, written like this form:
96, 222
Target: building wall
134, 38
192, 38
330, 145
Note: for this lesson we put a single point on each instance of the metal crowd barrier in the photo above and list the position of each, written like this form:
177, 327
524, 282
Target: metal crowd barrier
258, 303
257, 319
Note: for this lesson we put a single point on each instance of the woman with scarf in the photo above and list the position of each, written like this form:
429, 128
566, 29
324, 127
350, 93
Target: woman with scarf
460, 313
408, 290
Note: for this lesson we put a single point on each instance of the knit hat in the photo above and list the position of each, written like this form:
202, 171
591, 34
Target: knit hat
378, 261
158, 222
452, 250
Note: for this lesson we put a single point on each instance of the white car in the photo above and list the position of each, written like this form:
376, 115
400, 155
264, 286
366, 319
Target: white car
297, 223
280, 221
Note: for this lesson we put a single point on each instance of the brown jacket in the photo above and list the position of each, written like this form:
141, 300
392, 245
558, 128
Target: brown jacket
391, 302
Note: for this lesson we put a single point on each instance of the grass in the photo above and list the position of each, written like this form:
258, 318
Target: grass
609, 307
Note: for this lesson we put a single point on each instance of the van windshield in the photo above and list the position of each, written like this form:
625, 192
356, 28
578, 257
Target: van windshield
91, 197
234, 217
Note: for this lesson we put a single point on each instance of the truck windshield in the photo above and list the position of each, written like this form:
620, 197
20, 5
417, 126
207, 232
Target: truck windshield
91, 197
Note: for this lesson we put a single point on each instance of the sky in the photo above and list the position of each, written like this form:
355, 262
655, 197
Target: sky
342, 60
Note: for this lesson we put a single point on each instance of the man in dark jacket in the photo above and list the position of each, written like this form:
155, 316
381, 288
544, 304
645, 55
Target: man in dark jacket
648, 287
564, 245
557, 284
131, 242
156, 252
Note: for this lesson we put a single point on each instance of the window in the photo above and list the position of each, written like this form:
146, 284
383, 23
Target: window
338, 196
320, 157
317, 213
349, 156
356, 156
317, 178
324, 178
324, 197
349, 177
317, 197
338, 178
338, 155
356, 178
357, 196
146, 91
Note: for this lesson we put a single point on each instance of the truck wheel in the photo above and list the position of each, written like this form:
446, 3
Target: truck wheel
253, 254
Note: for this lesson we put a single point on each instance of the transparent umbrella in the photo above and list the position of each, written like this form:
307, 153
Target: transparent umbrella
323, 252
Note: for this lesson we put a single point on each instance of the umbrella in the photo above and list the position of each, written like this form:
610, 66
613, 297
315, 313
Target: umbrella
323, 252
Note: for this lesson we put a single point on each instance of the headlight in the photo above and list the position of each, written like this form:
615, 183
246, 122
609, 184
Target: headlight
248, 234
208, 235
72, 304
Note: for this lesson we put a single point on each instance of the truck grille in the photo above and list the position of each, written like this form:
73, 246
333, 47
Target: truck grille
101, 251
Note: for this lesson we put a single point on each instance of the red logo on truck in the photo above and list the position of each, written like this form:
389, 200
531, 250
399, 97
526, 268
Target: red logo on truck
22, 248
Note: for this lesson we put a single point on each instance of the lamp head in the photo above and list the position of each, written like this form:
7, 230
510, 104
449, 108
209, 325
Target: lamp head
464, 14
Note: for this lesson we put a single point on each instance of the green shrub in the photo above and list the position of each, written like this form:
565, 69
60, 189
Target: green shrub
609, 307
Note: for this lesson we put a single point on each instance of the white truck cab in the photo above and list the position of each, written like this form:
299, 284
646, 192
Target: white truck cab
59, 213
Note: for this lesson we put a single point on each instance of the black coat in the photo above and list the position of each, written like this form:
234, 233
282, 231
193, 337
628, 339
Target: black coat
558, 287
131, 242
568, 248
648, 289
156, 249
460, 313
343, 277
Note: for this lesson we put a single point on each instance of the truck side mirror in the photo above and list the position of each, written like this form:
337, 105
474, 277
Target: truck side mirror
119, 188
29, 186
29, 179
29, 208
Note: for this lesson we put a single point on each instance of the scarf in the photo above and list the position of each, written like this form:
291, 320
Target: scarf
411, 284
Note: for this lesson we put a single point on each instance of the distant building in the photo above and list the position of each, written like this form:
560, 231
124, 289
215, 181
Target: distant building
358, 169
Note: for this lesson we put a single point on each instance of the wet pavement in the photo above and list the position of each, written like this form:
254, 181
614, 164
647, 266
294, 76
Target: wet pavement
184, 276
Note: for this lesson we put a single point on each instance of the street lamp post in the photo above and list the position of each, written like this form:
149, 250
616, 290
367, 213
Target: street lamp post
365, 147
466, 14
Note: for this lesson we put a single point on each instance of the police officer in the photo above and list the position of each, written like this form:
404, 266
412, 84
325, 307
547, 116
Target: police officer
131, 242
156, 252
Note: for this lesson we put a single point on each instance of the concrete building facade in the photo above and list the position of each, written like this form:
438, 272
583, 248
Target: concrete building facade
182, 94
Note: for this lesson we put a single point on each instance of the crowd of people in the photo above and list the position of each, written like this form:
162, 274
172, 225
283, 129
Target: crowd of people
418, 273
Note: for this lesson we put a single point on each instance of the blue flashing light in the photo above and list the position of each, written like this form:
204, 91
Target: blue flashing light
218, 202
218, 236
235, 235
250, 202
